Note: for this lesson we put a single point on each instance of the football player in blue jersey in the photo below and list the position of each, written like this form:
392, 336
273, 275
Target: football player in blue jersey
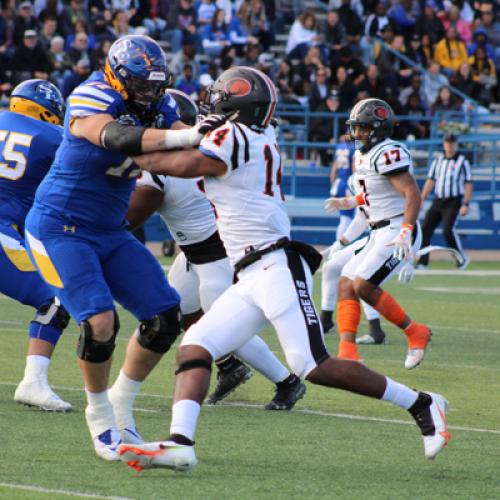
77, 232
29, 136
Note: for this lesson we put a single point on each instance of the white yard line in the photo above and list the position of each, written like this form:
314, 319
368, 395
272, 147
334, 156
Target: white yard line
296, 410
456, 272
469, 290
68, 493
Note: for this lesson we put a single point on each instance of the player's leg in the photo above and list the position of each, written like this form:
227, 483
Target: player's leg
71, 266
378, 267
208, 339
345, 218
431, 222
20, 280
215, 278
375, 335
450, 214
299, 332
139, 284
330, 276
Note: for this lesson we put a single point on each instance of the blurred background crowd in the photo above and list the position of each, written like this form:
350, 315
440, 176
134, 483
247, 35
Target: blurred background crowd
324, 55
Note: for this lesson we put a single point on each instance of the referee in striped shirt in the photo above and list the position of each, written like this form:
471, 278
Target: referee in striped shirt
450, 176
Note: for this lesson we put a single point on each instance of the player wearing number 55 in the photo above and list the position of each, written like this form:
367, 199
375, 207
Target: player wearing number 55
77, 232
29, 137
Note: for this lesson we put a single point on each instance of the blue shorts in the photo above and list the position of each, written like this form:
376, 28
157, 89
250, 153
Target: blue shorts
18, 276
88, 269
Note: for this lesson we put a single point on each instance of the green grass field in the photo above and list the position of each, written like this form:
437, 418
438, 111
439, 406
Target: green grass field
333, 445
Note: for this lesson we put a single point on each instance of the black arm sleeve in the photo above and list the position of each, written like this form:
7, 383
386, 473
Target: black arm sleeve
125, 139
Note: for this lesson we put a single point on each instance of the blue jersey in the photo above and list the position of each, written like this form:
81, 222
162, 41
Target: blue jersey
343, 156
87, 184
27, 150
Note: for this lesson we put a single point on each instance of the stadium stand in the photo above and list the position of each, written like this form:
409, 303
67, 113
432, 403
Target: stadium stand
323, 55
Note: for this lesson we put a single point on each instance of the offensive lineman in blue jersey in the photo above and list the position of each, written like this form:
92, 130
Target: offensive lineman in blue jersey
77, 233
341, 171
29, 136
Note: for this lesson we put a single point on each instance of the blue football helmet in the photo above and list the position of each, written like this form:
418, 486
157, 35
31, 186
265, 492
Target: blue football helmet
137, 68
38, 99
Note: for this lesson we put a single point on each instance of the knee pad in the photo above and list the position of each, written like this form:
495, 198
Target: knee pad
191, 364
160, 332
93, 351
49, 322
52, 315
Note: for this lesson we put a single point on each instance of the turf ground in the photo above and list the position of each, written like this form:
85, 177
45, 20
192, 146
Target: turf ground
333, 445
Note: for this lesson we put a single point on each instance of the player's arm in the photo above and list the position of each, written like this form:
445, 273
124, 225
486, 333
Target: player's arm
404, 183
103, 130
428, 187
144, 202
187, 164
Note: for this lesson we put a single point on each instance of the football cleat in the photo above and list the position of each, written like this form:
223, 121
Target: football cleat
429, 411
131, 436
369, 339
417, 346
464, 263
326, 321
38, 393
163, 454
106, 444
227, 382
287, 395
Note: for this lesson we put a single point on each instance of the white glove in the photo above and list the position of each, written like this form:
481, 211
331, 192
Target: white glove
402, 243
407, 272
346, 203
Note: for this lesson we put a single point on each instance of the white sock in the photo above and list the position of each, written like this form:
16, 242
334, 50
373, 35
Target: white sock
184, 418
36, 368
124, 392
99, 412
258, 355
399, 394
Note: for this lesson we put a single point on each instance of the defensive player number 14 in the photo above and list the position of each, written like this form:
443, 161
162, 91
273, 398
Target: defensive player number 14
268, 157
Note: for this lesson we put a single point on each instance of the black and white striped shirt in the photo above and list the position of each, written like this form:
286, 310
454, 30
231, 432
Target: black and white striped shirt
450, 175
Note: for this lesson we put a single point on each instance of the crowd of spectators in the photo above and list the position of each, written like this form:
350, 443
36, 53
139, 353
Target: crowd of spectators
331, 56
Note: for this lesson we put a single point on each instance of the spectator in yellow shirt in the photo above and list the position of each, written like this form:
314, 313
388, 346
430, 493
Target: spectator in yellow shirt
450, 52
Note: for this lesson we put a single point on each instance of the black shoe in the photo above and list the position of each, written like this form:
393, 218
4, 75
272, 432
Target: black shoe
326, 321
287, 394
228, 381
376, 335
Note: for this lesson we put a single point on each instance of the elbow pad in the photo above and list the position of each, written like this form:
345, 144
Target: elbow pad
126, 139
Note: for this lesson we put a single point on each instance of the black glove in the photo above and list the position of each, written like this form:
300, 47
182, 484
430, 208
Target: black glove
211, 122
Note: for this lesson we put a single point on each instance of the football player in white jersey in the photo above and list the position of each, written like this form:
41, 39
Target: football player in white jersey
241, 164
201, 272
336, 257
392, 199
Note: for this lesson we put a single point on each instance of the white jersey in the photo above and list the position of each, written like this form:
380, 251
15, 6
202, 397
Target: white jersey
185, 209
248, 200
373, 170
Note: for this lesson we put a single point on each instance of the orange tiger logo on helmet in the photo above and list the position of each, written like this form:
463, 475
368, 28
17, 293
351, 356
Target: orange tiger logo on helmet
238, 87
